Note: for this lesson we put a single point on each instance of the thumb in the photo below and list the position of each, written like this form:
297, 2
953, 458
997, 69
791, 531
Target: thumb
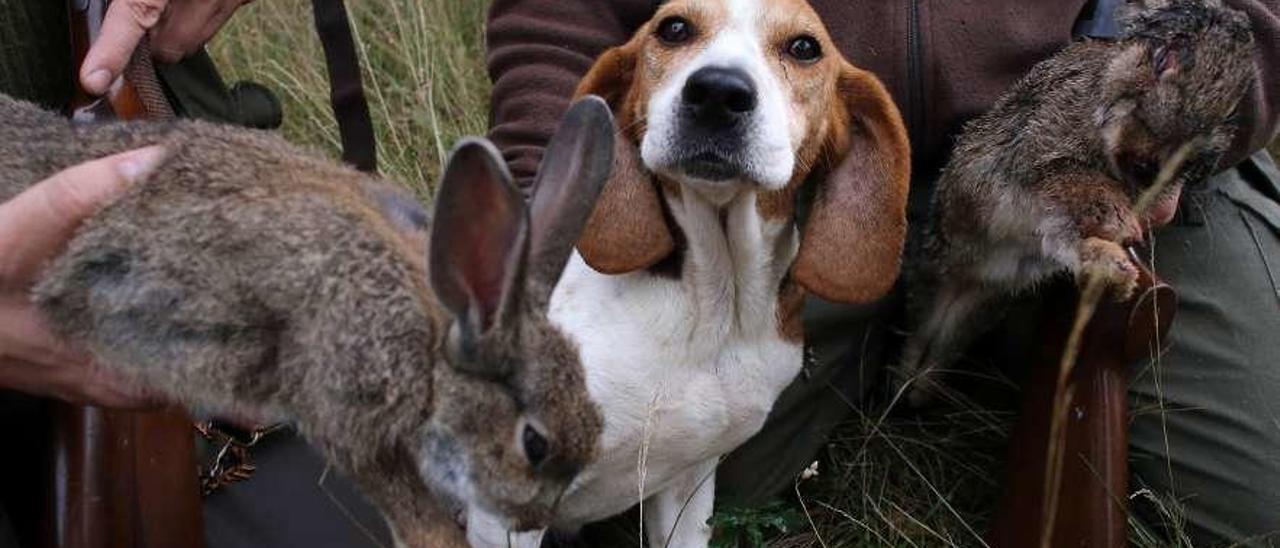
35, 225
124, 25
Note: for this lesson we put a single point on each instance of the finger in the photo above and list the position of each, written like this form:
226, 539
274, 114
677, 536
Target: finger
126, 22
25, 335
41, 379
102, 387
35, 225
183, 31
188, 29
34, 360
74, 383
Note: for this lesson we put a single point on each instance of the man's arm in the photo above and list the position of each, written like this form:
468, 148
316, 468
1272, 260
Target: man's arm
537, 52
1260, 111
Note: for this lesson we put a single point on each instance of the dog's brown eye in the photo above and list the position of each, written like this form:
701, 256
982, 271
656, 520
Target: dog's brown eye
804, 48
675, 30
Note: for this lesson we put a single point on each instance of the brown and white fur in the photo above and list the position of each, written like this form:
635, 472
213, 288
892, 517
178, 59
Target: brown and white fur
686, 292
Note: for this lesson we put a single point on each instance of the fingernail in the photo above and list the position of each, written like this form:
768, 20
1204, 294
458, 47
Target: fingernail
140, 163
98, 81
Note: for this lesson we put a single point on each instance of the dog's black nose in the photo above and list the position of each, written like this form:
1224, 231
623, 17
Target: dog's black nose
719, 96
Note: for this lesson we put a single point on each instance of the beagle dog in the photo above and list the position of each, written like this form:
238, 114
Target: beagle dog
686, 291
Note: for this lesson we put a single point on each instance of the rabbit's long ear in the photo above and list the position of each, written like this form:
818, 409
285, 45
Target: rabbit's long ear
851, 248
574, 169
478, 238
627, 230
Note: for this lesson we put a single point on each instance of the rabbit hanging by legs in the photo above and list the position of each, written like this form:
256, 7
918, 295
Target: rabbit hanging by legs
1049, 179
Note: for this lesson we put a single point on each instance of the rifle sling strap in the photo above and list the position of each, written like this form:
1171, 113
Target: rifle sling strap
1099, 20
346, 90
141, 72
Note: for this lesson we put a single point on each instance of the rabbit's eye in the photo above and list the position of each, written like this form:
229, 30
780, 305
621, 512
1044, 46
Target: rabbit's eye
536, 446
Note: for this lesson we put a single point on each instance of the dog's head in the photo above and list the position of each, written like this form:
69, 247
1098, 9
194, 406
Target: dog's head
721, 97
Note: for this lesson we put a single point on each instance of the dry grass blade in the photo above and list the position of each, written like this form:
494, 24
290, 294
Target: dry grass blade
1090, 295
894, 480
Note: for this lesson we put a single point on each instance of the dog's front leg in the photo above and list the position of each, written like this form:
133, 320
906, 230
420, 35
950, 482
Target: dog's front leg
680, 513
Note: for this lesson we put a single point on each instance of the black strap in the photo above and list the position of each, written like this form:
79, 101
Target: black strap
1099, 20
346, 92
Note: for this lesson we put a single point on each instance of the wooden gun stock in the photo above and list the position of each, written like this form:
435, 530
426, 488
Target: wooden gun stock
120, 479
1082, 501
123, 480
136, 95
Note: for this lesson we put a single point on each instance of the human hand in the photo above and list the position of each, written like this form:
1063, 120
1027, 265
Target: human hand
34, 228
177, 28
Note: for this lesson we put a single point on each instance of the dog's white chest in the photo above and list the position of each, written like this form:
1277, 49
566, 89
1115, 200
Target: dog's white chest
685, 369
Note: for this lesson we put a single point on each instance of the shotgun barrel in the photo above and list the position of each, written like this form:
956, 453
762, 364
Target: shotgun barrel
1081, 500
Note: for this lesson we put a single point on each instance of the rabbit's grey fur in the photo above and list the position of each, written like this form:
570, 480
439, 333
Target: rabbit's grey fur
246, 276
1047, 180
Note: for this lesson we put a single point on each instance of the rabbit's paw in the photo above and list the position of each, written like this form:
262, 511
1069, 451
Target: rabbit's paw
1108, 261
913, 377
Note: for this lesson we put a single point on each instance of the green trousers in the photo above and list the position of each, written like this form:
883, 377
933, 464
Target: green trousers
1214, 443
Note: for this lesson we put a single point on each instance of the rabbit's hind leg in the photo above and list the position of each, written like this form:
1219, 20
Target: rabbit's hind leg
949, 323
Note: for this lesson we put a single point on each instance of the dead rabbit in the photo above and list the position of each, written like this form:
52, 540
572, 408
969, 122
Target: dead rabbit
1048, 180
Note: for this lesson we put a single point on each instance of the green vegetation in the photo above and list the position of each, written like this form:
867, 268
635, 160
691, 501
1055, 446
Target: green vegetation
424, 75
735, 527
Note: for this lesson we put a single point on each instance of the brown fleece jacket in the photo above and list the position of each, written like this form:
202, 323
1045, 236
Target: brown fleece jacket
944, 61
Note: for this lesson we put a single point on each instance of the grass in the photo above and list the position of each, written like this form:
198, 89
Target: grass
886, 479
905, 479
423, 73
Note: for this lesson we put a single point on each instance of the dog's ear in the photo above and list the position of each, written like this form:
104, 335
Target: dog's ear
627, 230
851, 249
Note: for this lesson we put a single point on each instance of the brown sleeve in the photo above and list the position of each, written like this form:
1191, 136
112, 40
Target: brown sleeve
537, 52
1260, 112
